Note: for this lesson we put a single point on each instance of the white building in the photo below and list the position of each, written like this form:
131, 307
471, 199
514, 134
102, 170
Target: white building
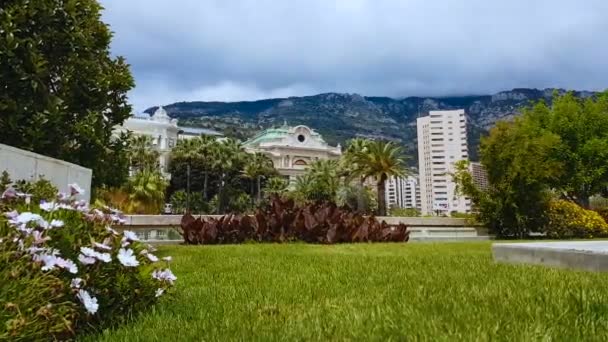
442, 141
193, 132
479, 175
292, 149
403, 192
164, 132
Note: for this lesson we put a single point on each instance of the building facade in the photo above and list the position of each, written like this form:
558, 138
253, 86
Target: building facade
292, 149
442, 141
403, 192
479, 175
164, 132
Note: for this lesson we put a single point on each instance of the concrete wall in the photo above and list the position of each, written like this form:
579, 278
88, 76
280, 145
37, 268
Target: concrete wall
421, 228
21, 164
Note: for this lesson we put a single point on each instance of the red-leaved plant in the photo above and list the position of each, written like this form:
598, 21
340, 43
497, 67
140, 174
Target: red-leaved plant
284, 220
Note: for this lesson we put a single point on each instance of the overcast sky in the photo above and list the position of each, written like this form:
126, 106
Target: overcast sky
228, 50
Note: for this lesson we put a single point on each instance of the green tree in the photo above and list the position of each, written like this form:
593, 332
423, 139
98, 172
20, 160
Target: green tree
62, 91
518, 162
199, 154
276, 186
142, 154
258, 167
581, 126
147, 192
380, 160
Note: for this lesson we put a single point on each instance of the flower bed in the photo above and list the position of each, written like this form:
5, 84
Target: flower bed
283, 220
67, 271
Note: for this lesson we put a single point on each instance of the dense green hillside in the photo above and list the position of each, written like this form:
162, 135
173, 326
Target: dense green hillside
339, 117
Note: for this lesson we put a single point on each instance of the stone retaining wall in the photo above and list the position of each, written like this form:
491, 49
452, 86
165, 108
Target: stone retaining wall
421, 228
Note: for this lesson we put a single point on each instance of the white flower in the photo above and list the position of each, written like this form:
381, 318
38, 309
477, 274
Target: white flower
68, 265
126, 257
129, 235
167, 258
75, 189
152, 257
151, 248
49, 206
38, 238
76, 283
117, 219
105, 257
12, 214
90, 303
27, 217
35, 250
49, 261
102, 246
86, 260
65, 206
90, 252
109, 229
9, 193
159, 292
164, 275
56, 223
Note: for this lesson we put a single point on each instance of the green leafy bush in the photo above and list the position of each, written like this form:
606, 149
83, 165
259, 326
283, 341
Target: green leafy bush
358, 198
39, 190
568, 220
69, 271
405, 212
179, 203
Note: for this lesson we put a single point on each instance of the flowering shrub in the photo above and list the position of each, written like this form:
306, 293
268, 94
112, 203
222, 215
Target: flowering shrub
68, 271
568, 220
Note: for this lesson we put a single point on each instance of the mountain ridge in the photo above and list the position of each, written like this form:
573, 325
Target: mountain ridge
341, 116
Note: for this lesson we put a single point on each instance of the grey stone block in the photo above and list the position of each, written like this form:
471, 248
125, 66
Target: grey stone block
583, 255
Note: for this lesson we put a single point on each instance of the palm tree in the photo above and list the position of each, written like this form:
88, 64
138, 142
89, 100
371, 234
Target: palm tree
228, 159
350, 163
380, 160
319, 183
147, 192
258, 165
142, 154
199, 151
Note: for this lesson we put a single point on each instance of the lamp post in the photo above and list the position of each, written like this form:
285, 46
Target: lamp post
188, 188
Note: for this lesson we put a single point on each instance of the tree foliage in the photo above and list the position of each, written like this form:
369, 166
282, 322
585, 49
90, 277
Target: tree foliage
142, 154
581, 153
221, 170
560, 151
147, 192
379, 160
61, 91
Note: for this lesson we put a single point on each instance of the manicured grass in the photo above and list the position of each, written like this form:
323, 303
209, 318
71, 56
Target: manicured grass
416, 291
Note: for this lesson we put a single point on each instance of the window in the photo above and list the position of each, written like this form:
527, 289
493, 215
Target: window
301, 138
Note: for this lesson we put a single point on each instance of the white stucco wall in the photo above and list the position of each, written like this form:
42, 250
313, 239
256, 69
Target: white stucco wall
21, 164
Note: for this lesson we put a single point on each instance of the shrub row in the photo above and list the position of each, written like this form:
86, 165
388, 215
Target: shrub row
283, 220
568, 220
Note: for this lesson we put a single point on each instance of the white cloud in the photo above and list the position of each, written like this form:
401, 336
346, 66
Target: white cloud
247, 49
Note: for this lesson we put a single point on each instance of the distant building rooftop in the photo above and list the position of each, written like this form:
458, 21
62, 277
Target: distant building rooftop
197, 131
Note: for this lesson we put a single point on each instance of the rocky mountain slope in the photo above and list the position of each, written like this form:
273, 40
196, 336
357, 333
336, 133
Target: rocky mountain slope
339, 117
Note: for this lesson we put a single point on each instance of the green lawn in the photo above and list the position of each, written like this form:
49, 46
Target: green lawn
415, 291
